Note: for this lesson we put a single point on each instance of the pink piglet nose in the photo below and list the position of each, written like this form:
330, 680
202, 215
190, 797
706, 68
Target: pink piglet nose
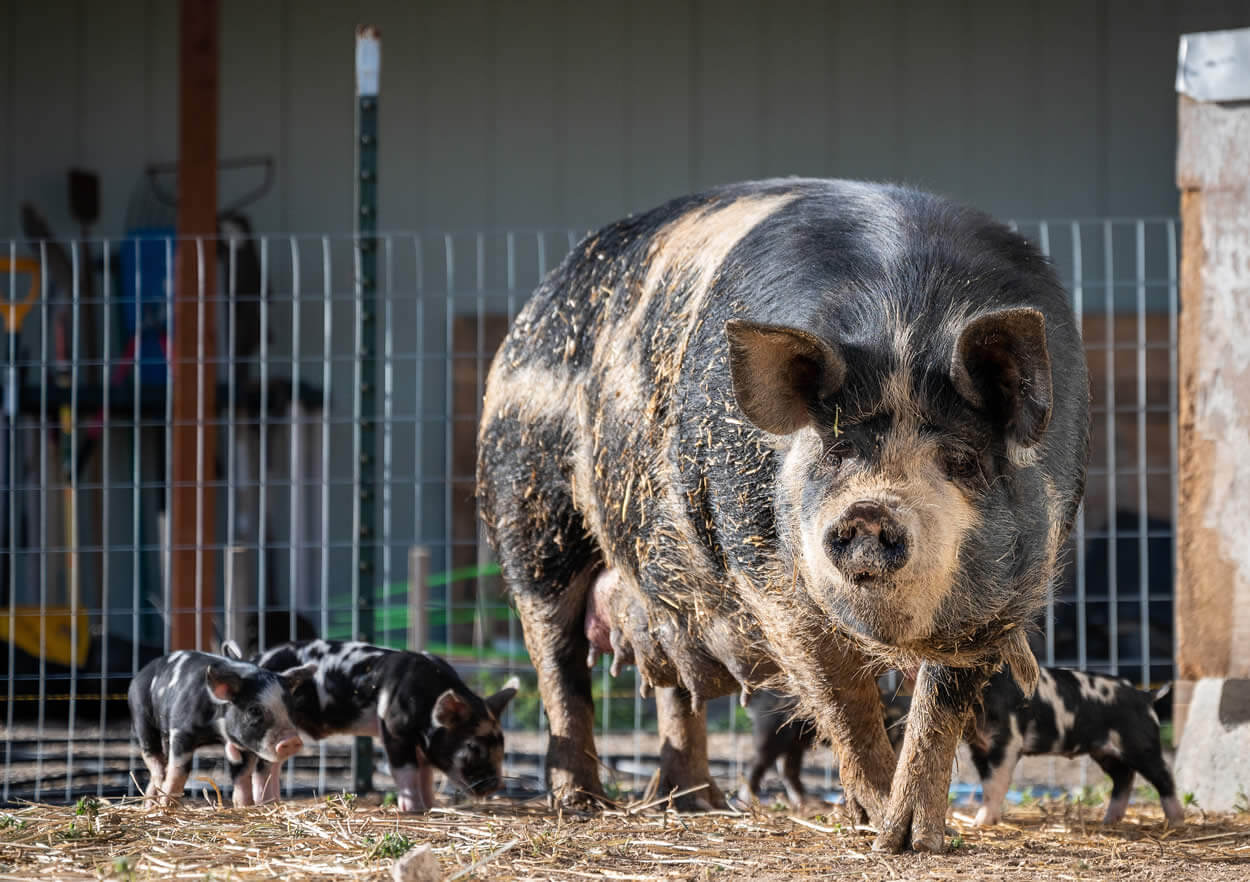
288, 746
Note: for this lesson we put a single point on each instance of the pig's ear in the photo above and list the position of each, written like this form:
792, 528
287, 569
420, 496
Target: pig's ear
1018, 656
451, 710
779, 373
500, 699
296, 677
223, 681
1000, 366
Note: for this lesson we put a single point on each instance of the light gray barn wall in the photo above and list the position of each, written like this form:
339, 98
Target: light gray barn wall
559, 112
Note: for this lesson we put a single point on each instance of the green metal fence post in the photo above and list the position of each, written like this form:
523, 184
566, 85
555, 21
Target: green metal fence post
368, 68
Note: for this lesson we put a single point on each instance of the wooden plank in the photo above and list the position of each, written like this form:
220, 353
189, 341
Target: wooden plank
192, 561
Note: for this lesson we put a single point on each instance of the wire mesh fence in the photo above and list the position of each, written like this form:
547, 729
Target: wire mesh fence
86, 587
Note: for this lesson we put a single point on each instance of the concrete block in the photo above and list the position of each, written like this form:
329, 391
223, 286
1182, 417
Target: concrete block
1213, 760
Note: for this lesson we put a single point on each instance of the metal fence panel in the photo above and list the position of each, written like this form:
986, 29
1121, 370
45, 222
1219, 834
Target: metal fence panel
86, 590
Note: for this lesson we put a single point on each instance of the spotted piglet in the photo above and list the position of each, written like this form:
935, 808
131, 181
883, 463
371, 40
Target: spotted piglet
415, 702
1070, 714
188, 700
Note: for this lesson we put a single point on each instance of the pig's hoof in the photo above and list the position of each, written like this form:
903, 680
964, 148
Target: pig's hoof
904, 831
709, 799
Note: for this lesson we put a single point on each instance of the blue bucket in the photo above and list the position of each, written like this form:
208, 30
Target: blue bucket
147, 268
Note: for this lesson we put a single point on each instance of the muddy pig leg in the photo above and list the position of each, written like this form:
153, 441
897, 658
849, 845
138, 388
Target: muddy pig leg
940, 708
557, 645
683, 751
547, 560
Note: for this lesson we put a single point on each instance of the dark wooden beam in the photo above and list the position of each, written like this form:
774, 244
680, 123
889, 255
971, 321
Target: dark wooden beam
192, 518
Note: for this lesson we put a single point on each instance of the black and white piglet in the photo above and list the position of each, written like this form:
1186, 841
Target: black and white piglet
415, 702
782, 738
187, 700
1071, 713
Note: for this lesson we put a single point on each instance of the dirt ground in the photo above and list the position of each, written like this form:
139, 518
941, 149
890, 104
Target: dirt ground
338, 838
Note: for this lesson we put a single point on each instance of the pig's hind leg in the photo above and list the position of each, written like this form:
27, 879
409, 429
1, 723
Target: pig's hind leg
791, 775
547, 560
683, 752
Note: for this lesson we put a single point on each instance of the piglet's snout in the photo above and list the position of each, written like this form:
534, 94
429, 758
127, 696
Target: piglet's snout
867, 542
288, 746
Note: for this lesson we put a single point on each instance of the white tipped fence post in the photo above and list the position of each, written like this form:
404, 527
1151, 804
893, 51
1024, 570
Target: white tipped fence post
239, 597
418, 597
1212, 698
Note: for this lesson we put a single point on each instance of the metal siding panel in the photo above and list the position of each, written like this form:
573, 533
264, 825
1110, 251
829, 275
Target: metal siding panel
868, 130
113, 112
594, 114
726, 100
458, 183
935, 73
1003, 85
658, 132
8, 118
528, 137
1066, 174
160, 91
318, 115
796, 81
47, 105
252, 50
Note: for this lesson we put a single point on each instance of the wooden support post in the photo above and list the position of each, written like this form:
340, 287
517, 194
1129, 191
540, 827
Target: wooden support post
418, 597
194, 378
1213, 557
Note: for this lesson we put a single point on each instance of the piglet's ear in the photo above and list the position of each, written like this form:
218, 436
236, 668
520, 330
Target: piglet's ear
296, 677
230, 649
779, 373
451, 710
500, 699
223, 682
1001, 367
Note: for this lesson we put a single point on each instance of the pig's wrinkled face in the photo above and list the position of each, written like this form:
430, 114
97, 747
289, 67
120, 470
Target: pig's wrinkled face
893, 494
880, 517
257, 706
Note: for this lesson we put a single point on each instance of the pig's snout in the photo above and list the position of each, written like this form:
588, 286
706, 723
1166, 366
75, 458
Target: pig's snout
867, 542
288, 746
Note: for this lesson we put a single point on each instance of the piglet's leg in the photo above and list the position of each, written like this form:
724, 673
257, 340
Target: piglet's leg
156, 777
916, 812
683, 751
413, 774
1121, 787
267, 781
242, 764
181, 753
414, 787
995, 781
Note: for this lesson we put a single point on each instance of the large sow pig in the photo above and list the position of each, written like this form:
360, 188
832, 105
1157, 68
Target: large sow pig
785, 434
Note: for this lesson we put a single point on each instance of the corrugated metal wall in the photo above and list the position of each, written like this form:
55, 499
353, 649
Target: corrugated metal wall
570, 112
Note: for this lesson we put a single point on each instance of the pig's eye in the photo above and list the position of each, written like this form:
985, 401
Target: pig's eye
962, 465
833, 454
254, 714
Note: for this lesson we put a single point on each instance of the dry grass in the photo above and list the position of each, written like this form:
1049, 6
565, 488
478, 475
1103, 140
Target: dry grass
340, 837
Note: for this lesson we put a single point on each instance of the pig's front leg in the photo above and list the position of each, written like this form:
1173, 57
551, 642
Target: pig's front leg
266, 781
411, 769
242, 764
916, 814
683, 751
414, 787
